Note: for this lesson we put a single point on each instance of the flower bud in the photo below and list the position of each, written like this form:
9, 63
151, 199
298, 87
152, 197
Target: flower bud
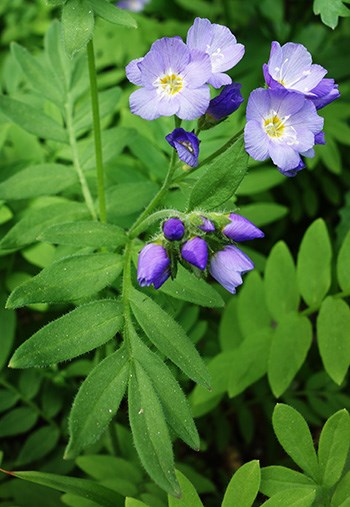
195, 251
173, 229
207, 225
186, 145
153, 266
220, 107
241, 229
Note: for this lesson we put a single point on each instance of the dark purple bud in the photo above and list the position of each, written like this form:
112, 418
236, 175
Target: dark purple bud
207, 225
195, 251
226, 102
228, 265
241, 229
173, 229
153, 266
324, 93
186, 144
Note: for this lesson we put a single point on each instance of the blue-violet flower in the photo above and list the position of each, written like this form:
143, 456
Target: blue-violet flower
186, 145
195, 251
241, 229
132, 5
153, 266
226, 103
173, 229
227, 266
207, 225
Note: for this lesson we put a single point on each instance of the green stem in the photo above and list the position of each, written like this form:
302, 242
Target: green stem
127, 285
313, 309
76, 162
97, 132
158, 215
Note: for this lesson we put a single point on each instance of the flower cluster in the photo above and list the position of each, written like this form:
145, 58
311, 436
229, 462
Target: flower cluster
174, 75
282, 120
197, 242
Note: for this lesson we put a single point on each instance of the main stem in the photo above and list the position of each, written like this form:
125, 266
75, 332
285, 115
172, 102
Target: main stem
97, 132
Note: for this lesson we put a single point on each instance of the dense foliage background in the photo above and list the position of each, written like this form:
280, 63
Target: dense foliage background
284, 338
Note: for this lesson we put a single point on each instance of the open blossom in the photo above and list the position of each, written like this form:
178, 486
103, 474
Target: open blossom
173, 79
132, 5
281, 125
186, 145
195, 251
241, 229
220, 44
291, 67
153, 266
228, 265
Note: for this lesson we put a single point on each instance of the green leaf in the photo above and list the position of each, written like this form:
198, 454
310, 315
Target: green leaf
55, 52
189, 495
7, 399
97, 401
330, 11
113, 14
341, 496
263, 213
38, 445
78, 25
333, 331
343, 263
68, 279
260, 179
102, 467
128, 198
251, 301
294, 436
77, 332
169, 337
314, 263
174, 403
36, 180
151, 437
293, 498
89, 234
133, 502
290, 345
81, 487
108, 99
244, 486
221, 178
281, 287
8, 327
277, 478
333, 447
32, 120
188, 287
18, 421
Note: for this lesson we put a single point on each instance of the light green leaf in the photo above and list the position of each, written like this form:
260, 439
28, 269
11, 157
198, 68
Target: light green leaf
277, 478
244, 486
127, 198
330, 11
189, 495
188, 287
8, 327
290, 345
113, 14
341, 496
260, 179
333, 337
281, 287
169, 337
263, 213
314, 263
97, 401
251, 301
333, 447
343, 263
18, 421
150, 432
108, 99
36, 180
56, 55
68, 279
78, 25
32, 120
92, 234
133, 502
77, 501
38, 445
294, 436
77, 332
102, 467
293, 498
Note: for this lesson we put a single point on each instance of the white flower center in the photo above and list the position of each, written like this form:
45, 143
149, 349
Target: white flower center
169, 84
276, 129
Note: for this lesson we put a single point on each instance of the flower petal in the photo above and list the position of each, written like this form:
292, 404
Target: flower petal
193, 103
256, 140
241, 229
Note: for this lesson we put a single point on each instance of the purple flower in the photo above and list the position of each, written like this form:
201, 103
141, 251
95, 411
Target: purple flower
220, 44
281, 125
226, 102
173, 79
173, 229
195, 251
227, 266
241, 229
153, 266
207, 225
133, 5
291, 67
186, 145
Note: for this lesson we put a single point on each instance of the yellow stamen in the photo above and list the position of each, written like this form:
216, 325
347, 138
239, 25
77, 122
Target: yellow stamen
274, 126
171, 84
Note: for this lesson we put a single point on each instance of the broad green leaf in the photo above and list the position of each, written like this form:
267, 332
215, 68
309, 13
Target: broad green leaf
92, 234
330, 11
133, 502
81, 487
68, 279
18, 421
220, 179
333, 337
36, 180
333, 447
292, 498
32, 120
244, 486
230, 333
174, 403
113, 14
189, 495
294, 436
263, 213
56, 54
8, 327
260, 179
277, 478
314, 263
78, 25
8, 399
169, 337
343, 263
188, 287
289, 347
71, 335
38, 445
97, 401
251, 301
108, 99
77, 501
341, 495
102, 467
127, 198
151, 437
281, 286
